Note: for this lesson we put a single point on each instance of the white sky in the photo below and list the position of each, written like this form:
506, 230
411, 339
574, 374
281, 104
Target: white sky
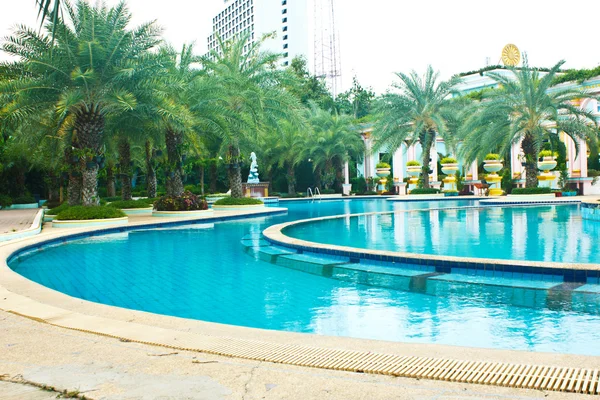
380, 37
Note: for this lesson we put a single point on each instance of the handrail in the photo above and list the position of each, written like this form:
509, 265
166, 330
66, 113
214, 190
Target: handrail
318, 191
309, 193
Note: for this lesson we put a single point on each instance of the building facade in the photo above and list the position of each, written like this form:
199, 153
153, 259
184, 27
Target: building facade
576, 161
288, 20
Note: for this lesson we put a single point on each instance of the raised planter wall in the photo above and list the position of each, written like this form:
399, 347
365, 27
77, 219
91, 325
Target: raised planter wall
181, 214
90, 223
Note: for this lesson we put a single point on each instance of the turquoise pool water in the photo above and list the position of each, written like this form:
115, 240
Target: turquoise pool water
207, 272
542, 233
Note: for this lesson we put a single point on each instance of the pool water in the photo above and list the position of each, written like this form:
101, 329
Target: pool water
203, 272
542, 233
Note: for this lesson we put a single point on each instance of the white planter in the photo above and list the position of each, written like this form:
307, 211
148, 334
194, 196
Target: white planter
450, 169
492, 166
86, 223
547, 165
138, 211
413, 171
181, 214
382, 172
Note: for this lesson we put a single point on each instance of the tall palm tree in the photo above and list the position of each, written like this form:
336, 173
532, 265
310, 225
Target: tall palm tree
252, 95
334, 141
418, 113
82, 73
526, 109
288, 146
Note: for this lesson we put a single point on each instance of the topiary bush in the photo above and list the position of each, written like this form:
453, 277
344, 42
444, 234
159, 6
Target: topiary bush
548, 153
186, 202
492, 156
383, 165
24, 200
237, 201
57, 210
89, 212
121, 204
535, 190
449, 160
413, 163
5, 201
424, 191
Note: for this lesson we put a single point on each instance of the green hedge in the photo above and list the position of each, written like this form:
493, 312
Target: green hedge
233, 201
424, 191
24, 200
130, 204
5, 201
535, 190
114, 198
57, 210
92, 212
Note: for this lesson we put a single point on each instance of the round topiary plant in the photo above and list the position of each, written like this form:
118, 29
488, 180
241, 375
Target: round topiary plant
383, 165
548, 153
413, 163
186, 202
449, 160
492, 156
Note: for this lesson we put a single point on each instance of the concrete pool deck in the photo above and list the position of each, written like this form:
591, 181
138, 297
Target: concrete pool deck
99, 348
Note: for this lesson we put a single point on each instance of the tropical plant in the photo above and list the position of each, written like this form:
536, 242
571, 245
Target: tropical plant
420, 112
288, 147
448, 160
82, 75
547, 153
85, 213
252, 96
525, 109
492, 157
413, 163
383, 165
187, 201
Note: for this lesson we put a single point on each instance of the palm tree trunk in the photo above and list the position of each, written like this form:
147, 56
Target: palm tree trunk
174, 140
150, 172
110, 180
89, 129
125, 161
74, 189
530, 152
291, 180
235, 172
318, 171
201, 173
426, 142
213, 176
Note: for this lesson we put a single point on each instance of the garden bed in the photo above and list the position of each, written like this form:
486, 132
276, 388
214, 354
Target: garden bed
243, 203
81, 217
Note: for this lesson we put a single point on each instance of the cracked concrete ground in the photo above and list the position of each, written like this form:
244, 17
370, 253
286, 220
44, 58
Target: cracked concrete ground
104, 368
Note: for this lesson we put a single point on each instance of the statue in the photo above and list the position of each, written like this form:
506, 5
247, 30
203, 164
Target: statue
253, 175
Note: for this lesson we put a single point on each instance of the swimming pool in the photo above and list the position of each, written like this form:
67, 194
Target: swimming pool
206, 272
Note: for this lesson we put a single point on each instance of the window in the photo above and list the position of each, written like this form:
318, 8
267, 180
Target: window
284, 11
284, 29
285, 37
285, 46
284, 2
286, 54
286, 63
284, 20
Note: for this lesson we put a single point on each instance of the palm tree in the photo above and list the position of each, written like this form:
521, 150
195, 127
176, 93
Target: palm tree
526, 109
288, 147
83, 73
418, 113
253, 96
335, 140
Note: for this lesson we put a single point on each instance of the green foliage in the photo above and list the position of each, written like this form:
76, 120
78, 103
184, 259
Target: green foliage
57, 210
563, 178
383, 165
506, 182
424, 191
413, 163
328, 191
359, 184
121, 204
89, 212
5, 201
449, 160
357, 101
186, 202
239, 201
577, 75
24, 200
492, 156
548, 153
308, 88
111, 199
532, 190
480, 71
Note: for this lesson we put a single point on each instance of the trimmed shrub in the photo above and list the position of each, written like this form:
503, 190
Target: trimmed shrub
52, 204
129, 204
492, 156
448, 160
535, 190
57, 210
292, 196
186, 202
548, 153
5, 201
383, 165
91, 212
114, 198
359, 184
24, 200
424, 191
327, 191
413, 163
234, 201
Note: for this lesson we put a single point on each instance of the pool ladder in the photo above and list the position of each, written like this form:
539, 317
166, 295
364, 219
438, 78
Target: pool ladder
312, 195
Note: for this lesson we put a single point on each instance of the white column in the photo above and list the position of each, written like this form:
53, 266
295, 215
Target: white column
398, 164
346, 187
433, 155
367, 157
581, 160
473, 170
571, 154
515, 161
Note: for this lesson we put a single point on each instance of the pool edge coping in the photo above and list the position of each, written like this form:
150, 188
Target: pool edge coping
258, 349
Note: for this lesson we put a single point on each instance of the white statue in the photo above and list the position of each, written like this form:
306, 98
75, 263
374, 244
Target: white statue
253, 175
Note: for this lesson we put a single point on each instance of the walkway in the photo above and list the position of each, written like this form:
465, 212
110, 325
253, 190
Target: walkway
16, 220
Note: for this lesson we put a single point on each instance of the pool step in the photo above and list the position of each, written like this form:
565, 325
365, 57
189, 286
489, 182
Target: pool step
255, 243
313, 264
270, 254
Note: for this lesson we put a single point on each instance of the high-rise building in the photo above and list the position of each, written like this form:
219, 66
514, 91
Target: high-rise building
287, 19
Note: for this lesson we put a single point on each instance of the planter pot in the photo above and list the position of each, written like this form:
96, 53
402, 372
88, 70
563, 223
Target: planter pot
181, 214
238, 207
546, 165
85, 223
413, 171
557, 194
382, 172
450, 169
492, 166
138, 211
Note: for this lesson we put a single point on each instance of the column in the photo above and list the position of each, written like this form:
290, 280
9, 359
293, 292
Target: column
433, 155
398, 170
346, 187
473, 171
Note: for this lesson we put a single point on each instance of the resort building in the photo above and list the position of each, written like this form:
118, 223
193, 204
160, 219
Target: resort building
287, 19
576, 161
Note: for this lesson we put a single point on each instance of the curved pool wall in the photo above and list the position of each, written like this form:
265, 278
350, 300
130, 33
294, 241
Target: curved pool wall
543, 239
202, 271
590, 211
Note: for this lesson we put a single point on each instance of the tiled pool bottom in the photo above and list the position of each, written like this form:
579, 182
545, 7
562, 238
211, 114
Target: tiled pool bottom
517, 289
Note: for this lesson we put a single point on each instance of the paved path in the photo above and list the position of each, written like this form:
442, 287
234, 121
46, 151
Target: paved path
15, 391
16, 220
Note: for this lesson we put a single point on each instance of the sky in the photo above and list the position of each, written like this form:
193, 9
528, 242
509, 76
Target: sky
381, 37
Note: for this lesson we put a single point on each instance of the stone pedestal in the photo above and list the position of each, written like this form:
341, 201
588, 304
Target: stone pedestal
346, 188
260, 189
